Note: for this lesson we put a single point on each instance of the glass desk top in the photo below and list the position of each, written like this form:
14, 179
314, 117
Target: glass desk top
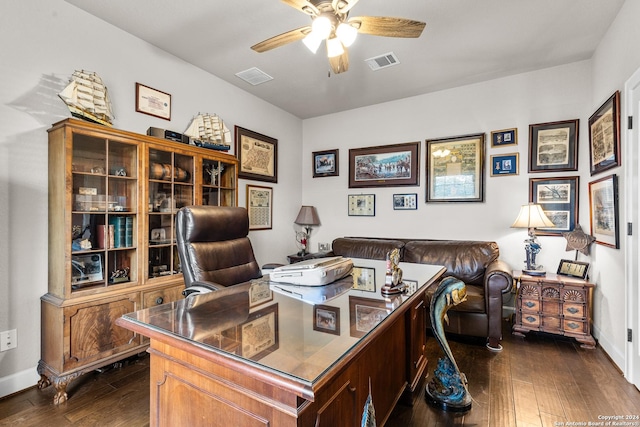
266, 326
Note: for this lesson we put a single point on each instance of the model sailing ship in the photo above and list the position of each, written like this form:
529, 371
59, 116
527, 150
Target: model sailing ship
209, 131
87, 98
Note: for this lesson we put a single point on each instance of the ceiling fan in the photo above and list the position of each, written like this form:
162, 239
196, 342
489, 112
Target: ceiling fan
331, 22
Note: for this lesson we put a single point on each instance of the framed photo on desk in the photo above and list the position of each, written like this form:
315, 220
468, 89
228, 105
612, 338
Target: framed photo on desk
259, 334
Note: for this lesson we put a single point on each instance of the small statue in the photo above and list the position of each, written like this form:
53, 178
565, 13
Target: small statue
448, 388
393, 278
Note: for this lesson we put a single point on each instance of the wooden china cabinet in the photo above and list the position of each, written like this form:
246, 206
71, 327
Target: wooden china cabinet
113, 196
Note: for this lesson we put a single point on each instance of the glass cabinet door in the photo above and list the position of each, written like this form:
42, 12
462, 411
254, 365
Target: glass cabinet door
218, 183
170, 188
103, 212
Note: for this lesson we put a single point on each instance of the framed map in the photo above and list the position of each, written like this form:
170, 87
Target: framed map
257, 154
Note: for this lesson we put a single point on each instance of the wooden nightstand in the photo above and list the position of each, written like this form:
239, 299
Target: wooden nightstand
556, 304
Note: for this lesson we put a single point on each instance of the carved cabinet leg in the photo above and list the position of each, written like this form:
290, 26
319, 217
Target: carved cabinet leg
47, 377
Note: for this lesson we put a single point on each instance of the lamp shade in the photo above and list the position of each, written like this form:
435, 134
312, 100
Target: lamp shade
307, 216
532, 216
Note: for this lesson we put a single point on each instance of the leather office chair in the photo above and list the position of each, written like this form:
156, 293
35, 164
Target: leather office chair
214, 247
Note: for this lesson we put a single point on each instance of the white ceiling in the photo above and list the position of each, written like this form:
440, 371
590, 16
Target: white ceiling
465, 41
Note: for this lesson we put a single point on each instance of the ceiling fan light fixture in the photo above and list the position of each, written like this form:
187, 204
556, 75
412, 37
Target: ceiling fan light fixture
346, 33
334, 47
321, 27
312, 42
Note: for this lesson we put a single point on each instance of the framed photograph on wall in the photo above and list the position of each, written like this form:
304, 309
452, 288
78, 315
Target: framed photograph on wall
505, 164
362, 204
257, 155
504, 137
326, 319
604, 136
603, 209
259, 207
405, 201
384, 166
553, 146
558, 198
153, 102
455, 169
325, 163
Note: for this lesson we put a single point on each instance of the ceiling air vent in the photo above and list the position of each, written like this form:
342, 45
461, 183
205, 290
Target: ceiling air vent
383, 61
254, 76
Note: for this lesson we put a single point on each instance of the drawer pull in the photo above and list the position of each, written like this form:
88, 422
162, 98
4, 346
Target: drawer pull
573, 325
530, 304
530, 319
572, 310
159, 300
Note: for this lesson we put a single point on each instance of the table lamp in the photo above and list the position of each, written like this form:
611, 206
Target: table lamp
306, 218
532, 216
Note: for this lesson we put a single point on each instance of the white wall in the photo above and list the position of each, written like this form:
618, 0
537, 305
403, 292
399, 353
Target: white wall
43, 41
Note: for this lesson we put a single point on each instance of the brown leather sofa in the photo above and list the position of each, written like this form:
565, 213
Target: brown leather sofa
476, 263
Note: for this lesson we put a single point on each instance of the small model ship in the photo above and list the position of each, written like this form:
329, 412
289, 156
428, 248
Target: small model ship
209, 131
87, 98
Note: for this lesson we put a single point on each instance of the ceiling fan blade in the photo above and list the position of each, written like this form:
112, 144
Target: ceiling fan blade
340, 64
303, 6
282, 39
387, 27
343, 6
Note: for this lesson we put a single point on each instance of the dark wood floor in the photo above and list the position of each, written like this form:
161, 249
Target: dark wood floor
541, 380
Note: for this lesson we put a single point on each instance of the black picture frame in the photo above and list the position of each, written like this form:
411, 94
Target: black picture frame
572, 268
455, 169
553, 146
257, 155
604, 211
361, 204
404, 202
604, 136
325, 163
326, 319
391, 165
364, 279
558, 197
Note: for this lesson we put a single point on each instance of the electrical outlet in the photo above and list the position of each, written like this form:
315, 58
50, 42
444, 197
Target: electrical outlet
324, 247
8, 340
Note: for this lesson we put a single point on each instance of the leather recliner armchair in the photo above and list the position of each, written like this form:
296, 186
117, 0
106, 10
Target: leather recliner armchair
214, 247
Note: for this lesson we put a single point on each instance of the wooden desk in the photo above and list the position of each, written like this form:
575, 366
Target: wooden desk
268, 365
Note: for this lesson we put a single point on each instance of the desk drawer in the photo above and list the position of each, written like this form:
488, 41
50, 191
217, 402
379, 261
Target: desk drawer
574, 326
574, 310
530, 305
531, 320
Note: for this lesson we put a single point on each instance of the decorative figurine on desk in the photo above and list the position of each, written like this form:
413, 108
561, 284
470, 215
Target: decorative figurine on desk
393, 277
448, 388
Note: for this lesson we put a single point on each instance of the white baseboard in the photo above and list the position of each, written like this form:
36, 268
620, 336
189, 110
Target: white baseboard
18, 381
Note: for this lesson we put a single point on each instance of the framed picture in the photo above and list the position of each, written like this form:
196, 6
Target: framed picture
505, 164
558, 198
455, 169
553, 146
603, 207
259, 207
365, 314
326, 319
257, 155
153, 102
259, 334
325, 163
501, 138
573, 268
405, 201
384, 166
259, 293
604, 136
362, 205
364, 279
